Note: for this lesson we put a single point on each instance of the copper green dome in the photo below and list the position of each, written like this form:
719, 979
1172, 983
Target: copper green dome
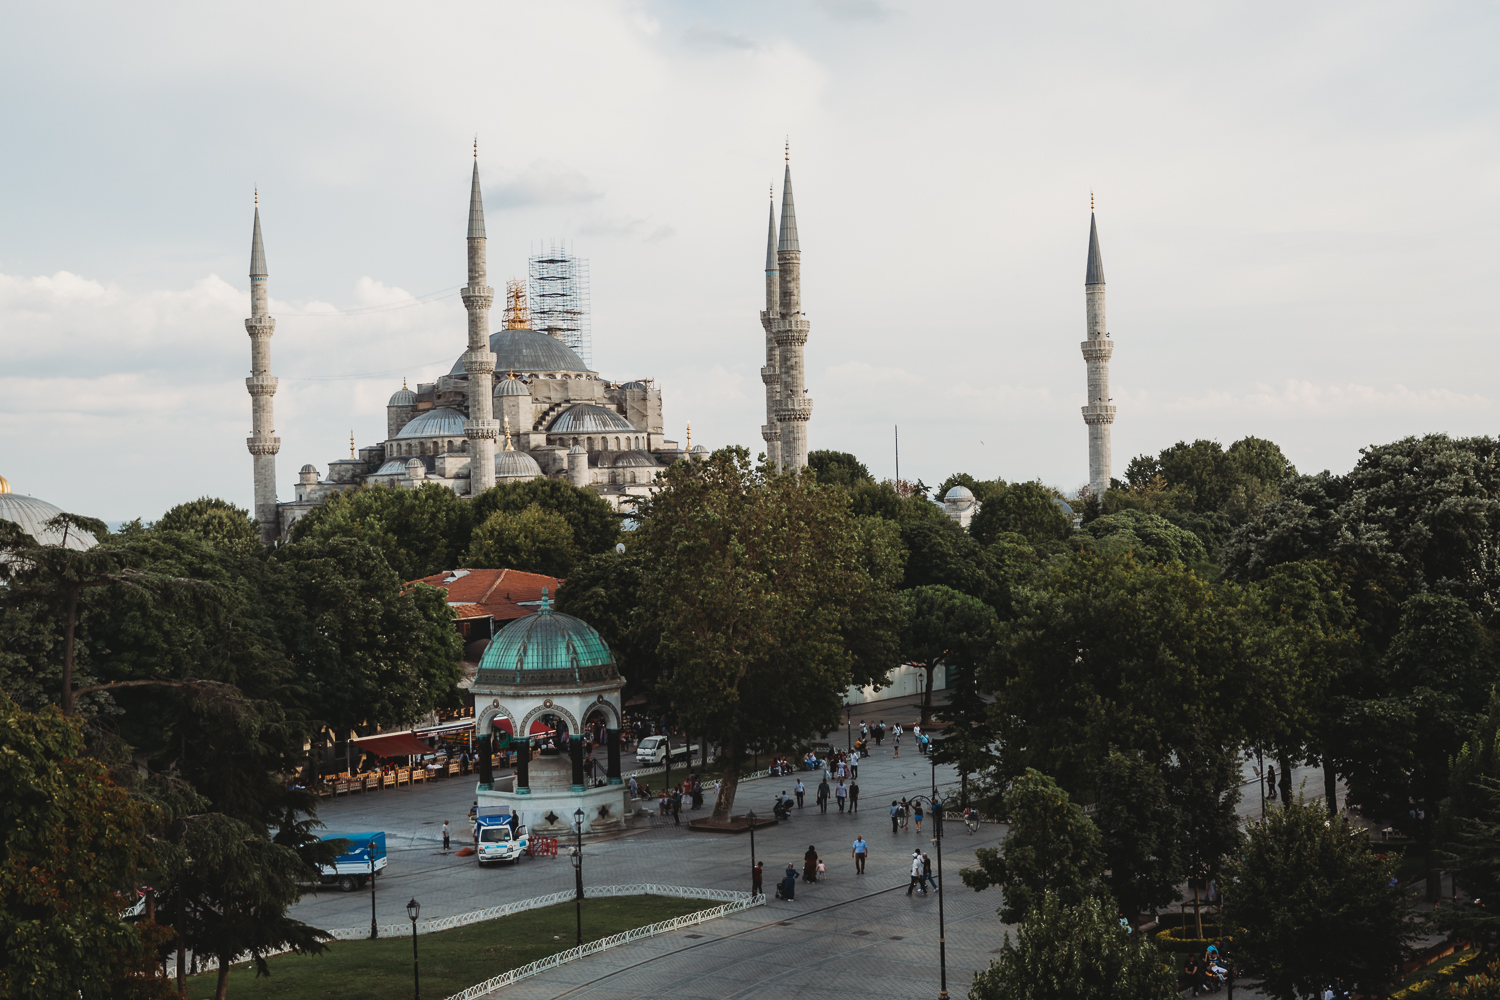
546, 649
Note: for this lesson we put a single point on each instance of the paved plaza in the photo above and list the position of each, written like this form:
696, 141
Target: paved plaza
848, 935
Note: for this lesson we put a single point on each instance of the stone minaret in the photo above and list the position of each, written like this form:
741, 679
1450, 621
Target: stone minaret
263, 442
789, 328
1098, 414
771, 431
481, 428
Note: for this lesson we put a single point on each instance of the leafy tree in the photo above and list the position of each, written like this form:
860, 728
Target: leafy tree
531, 540
1052, 848
70, 849
870, 499
1140, 832
1077, 952
1310, 903
217, 522
753, 585
596, 527
838, 468
1150, 537
1026, 509
1472, 853
945, 628
419, 532
604, 590
982, 489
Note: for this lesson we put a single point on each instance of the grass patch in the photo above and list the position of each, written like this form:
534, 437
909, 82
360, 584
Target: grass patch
451, 961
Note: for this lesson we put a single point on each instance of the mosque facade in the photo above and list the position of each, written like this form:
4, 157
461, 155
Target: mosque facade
518, 404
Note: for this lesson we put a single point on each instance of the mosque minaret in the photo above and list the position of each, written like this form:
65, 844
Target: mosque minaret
1100, 411
789, 329
480, 429
263, 442
771, 430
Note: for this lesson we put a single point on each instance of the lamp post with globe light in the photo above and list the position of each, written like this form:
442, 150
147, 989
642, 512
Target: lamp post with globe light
750, 818
374, 929
578, 818
414, 910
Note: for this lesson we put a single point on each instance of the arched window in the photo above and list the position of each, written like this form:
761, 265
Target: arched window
589, 446
617, 444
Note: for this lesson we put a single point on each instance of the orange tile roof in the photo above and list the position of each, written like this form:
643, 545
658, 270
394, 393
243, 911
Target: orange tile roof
469, 610
505, 594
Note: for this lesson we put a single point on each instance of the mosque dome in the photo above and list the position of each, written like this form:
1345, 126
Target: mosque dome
577, 449
516, 465
959, 493
414, 463
634, 460
1063, 506
403, 397
699, 449
546, 649
529, 351
309, 468
634, 385
586, 418
33, 514
511, 387
442, 422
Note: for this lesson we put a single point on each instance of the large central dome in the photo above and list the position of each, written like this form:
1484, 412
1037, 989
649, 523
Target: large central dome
546, 649
529, 351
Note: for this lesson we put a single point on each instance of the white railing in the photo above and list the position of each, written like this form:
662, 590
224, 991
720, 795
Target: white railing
731, 901
613, 941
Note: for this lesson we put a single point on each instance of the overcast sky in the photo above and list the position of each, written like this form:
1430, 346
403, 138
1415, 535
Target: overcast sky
1296, 203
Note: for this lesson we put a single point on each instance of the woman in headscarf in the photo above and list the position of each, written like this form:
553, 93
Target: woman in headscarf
810, 864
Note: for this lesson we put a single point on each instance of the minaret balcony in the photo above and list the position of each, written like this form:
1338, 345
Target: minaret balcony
793, 409
1098, 414
770, 376
259, 445
477, 430
261, 385
1097, 350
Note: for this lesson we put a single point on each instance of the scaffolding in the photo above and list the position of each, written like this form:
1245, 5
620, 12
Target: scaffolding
560, 298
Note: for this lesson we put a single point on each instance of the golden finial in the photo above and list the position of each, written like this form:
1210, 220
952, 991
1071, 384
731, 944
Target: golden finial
476, 145
507, 434
351, 444
403, 381
4, 485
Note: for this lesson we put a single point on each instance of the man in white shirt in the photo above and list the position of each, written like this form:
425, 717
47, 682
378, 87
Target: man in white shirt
916, 873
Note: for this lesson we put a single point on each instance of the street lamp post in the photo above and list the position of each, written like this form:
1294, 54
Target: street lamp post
578, 869
937, 839
414, 910
849, 725
374, 929
750, 816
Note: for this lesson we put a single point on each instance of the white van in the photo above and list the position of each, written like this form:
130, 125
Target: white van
652, 751
500, 839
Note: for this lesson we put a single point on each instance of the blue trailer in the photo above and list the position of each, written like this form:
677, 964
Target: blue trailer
351, 870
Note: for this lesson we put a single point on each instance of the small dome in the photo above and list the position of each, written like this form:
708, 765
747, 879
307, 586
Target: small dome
308, 468
511, 387
546, 649
403, 397
634, 460
414, 463
577, 449
516, 465
1063, 506
442, 422
33, 514
634, 385
586, 418
959, 493
698, 449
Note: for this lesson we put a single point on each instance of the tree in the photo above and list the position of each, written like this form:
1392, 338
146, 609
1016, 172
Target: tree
217, 522
419, 532
1472, 853
70, 849
752, 585
604, 590
1077, 952
1150, 537
945, 628
531, 540
838, 468
1140, 832
1026, 509
1310, 903
1052, 848
596, 527
982, 489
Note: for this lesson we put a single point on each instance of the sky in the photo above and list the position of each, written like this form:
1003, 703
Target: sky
1296, 207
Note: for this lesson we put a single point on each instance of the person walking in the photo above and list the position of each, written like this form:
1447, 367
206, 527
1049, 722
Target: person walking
445, 837
861, 851
677, 809
916, 872
841, 793
895, 814
916, 809
810, 864
880, 733
697, 793
823, 792
854, 796
896, 741
854, 765
927, 875
905, 812
800, 792
757, 880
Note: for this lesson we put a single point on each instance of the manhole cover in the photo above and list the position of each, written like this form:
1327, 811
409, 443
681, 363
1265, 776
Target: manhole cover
861, 933
693, 935
898, 937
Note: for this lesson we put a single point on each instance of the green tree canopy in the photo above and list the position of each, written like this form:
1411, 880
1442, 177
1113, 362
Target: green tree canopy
419, 532
1141, 834
982, 489
604, 590
1026, 509
532, 540
1052, 847
838, 468
596, 526
1309, 903
217, 522
1150, 537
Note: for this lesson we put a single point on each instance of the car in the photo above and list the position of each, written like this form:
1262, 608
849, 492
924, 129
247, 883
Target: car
652, 751
502, 837
351, 870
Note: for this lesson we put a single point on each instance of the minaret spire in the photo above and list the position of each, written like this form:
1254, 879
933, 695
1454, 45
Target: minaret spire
1099, 413
789, 329
771, 430
480, 429
263, 442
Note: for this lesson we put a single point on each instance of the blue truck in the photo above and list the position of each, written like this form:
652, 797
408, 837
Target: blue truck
351, 870
500, 837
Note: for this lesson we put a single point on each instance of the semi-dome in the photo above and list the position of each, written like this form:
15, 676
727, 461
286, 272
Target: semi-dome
511, 387
403, 397
516, 465
546, 649
529, 351
634, 460
33, 514
634, 385
959, 493
441, 422
391, 467
586, 418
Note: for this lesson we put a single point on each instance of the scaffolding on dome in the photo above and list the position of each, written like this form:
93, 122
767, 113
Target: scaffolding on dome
560, 298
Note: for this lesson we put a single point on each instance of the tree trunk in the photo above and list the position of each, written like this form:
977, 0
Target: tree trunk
222, 992
1331, 787
927, 696
71, 628
1434, 875
1285, 778
727, 784
181, 968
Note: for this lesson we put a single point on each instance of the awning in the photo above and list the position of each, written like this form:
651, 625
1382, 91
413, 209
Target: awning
393, 745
